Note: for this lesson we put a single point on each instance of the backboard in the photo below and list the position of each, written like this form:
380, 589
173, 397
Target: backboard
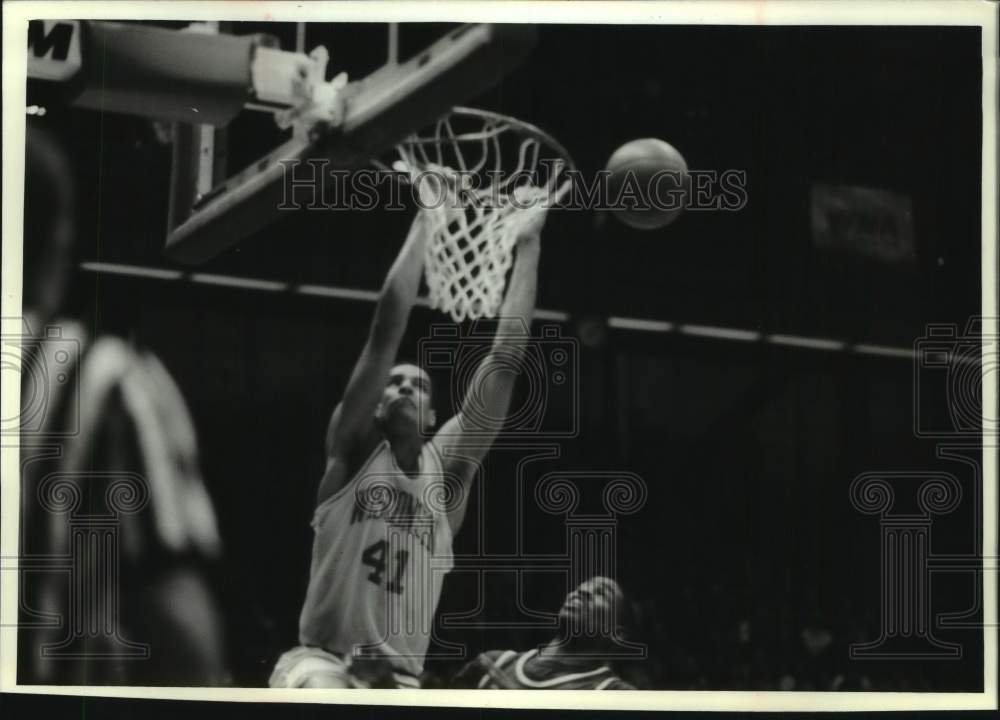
228, 181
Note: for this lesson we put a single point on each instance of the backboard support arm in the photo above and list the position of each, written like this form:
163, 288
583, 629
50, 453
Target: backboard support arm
203, 79
380, 110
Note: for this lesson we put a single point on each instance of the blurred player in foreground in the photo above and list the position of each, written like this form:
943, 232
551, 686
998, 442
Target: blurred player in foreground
106, 436
591, 619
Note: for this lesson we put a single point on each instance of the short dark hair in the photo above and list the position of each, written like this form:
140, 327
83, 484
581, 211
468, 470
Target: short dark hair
408, 361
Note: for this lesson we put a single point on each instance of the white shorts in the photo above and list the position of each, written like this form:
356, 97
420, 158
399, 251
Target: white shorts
305, 666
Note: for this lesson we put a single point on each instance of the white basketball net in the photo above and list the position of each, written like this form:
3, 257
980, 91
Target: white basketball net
474, 207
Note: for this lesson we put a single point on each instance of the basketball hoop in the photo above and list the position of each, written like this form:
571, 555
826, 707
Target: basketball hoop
480, 176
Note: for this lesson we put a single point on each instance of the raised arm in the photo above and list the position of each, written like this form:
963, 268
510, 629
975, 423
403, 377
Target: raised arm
465, 439
352, 421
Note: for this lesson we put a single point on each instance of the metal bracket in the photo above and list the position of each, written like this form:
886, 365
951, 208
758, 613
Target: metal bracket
320, 103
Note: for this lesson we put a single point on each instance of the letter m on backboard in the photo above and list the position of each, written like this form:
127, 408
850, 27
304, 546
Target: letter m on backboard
53, 49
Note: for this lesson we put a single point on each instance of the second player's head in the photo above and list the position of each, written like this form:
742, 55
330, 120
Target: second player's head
594, 610
406, 405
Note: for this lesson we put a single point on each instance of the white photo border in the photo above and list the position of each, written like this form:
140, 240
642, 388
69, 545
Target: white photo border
775, 12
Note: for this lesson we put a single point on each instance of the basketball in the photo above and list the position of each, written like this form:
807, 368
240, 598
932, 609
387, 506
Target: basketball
648, 183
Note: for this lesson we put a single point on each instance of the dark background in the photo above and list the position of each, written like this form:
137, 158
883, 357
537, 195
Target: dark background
747, 450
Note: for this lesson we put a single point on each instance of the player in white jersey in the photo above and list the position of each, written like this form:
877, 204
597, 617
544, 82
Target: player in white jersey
390, 501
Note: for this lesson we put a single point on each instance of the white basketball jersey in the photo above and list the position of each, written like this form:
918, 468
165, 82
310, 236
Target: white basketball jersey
381, 550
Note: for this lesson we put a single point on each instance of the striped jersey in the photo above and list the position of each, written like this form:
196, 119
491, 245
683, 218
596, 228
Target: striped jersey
508, 669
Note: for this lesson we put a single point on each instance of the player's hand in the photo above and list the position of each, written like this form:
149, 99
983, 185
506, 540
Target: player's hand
435, 184
534, 205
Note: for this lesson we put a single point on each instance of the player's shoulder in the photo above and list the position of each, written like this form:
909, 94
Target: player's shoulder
344, 471
434, 447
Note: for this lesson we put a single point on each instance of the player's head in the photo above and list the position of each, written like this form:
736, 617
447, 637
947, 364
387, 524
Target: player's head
48, 224
595, 609
406, 405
